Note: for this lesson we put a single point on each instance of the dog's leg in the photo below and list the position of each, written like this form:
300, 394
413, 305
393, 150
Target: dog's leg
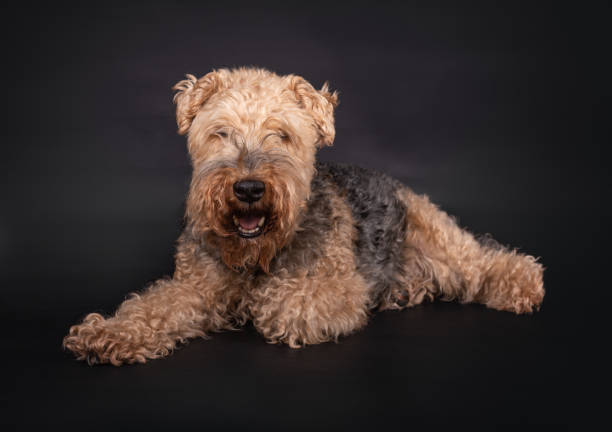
311, 309
150, 324
315, 296
450, 263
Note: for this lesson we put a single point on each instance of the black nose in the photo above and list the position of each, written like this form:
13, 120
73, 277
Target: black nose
249, 190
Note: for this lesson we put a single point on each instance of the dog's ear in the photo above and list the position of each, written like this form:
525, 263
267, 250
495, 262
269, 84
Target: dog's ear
320, 105
191, 95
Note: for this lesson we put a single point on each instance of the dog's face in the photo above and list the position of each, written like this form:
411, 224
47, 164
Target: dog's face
252, 138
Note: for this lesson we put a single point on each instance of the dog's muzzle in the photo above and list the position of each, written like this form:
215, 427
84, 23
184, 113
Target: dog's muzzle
250, 223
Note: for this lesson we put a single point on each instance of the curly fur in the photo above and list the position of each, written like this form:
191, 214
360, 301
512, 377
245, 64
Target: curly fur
339, 241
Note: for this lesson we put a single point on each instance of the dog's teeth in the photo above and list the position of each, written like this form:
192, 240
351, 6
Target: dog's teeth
258, 228
251, 231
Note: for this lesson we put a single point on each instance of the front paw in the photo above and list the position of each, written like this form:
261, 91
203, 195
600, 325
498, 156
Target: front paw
96, 341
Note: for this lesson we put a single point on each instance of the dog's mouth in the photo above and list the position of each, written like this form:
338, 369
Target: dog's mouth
249, 225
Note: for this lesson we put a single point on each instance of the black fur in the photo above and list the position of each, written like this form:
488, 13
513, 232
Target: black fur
380, 219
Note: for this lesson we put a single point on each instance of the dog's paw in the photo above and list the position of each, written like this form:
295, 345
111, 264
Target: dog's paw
90, 340
81, 338
521, 289
95, 341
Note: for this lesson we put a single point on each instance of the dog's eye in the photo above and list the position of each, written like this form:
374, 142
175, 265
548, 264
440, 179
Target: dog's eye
284, 137
221, 134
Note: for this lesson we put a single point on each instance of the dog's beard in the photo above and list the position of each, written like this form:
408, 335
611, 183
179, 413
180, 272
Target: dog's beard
235, 228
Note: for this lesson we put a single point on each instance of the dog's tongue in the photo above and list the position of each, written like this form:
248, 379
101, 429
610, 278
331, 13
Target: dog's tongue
249, 222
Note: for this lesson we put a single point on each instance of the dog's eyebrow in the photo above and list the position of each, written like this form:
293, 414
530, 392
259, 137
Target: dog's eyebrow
238, 140
235, 137
209, 166
256, 157
278, 134
249, 159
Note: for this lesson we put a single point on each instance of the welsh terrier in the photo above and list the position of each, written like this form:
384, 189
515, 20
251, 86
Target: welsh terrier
304, 250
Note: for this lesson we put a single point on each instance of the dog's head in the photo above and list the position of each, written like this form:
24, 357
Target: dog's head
252, 138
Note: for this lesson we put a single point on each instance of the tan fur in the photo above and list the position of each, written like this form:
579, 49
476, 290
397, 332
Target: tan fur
298, 281
446, 262
149, 325
314, 304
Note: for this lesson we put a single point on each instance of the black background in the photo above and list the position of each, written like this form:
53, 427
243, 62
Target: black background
486, 108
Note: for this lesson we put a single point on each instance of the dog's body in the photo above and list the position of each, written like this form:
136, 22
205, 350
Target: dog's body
304, 250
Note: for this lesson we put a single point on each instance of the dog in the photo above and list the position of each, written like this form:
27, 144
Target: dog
306, 251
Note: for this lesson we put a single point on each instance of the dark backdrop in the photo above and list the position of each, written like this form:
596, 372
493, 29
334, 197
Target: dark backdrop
480, 107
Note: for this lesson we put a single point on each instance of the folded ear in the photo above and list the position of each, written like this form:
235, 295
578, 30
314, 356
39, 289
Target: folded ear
191, 95
320, 104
